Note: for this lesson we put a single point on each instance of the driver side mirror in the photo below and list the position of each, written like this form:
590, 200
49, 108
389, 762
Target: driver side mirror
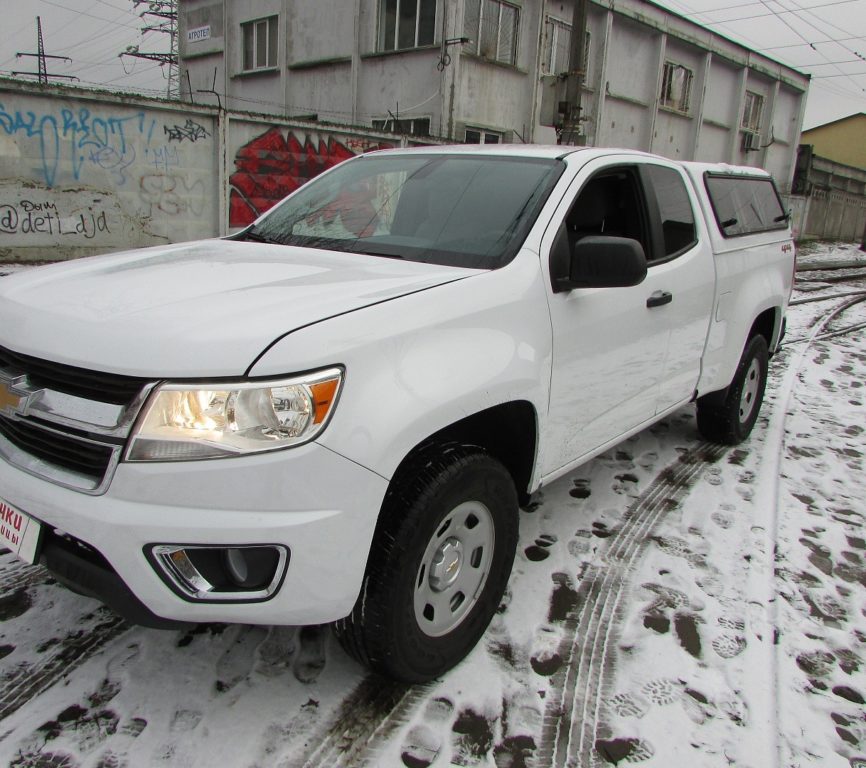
600, 261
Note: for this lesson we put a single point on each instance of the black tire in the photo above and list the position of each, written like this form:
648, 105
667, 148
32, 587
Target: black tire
729, 417
412, 620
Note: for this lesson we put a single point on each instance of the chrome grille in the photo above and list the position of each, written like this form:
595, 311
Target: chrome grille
91, 385
66, 424
78, 455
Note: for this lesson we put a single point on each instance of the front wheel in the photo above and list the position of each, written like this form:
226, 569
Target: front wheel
438, 566
730, 420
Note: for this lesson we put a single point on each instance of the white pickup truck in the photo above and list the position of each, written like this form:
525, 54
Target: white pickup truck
333, 415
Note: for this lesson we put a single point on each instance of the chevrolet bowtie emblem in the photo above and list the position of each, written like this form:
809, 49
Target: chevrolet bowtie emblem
8, 400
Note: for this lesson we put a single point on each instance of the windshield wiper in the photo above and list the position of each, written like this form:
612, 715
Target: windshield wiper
384, 250
251, 234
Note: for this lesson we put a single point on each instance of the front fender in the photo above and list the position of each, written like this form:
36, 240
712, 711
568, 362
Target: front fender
419, 363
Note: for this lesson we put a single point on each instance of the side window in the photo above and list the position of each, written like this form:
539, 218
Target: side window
745, 204
609, 203
675, 210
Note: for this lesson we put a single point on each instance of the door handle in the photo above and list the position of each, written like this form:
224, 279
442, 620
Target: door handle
659, 298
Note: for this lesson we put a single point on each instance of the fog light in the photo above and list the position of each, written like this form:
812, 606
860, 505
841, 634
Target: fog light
221, 574
251, 567
236, 565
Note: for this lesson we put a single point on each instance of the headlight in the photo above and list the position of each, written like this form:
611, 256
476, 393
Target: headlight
208, 421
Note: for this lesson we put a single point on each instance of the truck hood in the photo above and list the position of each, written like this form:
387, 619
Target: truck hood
206, 308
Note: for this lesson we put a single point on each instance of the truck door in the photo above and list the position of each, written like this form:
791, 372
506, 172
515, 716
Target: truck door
609, 344
681, 263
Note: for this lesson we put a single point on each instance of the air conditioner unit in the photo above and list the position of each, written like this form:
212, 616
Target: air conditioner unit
751, 141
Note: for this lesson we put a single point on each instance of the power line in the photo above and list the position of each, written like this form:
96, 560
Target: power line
771, 12
849, 75
802, 37
811, 44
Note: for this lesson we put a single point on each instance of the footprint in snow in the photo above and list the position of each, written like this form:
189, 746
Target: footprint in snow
279, 736
14, 605
722, 519
629, 705
626, 750
648, 460
625, 484
185, 720
713, 475
276, 652
540, 549
728, 645
515, 751
87, 725
472, 738
563, 599
662, 691
546, 659
580, 544
237, 660
581, 489
424, 741
311, 655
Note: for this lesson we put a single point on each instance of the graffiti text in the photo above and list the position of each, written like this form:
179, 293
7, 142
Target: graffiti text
42, 218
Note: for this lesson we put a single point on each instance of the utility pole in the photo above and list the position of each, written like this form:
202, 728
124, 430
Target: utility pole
41, 57
160, 16
574, 79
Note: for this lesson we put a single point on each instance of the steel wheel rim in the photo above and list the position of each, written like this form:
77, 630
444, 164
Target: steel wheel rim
454, 568
749, 395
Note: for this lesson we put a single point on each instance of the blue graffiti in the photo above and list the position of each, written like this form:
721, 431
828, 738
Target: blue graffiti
104, 141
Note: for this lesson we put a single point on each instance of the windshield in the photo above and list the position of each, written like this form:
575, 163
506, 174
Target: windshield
465, 211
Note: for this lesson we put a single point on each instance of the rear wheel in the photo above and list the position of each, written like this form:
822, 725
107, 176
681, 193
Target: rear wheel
438, 566
730, 419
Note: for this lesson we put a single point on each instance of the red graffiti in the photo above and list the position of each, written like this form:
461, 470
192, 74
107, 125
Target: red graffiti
271, 166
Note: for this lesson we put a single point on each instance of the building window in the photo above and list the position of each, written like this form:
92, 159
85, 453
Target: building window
557, 48
414, 126
260, 43
406, 24
676, 87
752, 111
492, 27
480, 136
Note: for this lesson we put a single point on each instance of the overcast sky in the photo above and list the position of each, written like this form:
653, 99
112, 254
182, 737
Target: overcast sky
825, 38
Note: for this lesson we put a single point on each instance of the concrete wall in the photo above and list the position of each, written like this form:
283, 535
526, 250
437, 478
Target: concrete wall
84, 173
81, 175
830, 201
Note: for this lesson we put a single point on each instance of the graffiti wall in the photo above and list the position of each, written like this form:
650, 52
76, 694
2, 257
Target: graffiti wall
82, 175
270, 162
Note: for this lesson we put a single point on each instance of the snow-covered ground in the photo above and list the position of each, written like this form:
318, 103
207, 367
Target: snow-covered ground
672, 604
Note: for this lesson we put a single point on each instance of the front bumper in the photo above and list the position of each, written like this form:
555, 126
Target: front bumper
319, 505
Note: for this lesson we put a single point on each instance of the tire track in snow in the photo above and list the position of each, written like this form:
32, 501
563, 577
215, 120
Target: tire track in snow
26, 681
761, 586
573, 713
363, 724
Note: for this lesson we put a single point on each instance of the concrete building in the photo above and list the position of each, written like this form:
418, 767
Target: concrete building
843, 141
829, 184
493, 71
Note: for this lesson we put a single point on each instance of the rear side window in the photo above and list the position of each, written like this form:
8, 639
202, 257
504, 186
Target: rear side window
675, 210
745, 204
